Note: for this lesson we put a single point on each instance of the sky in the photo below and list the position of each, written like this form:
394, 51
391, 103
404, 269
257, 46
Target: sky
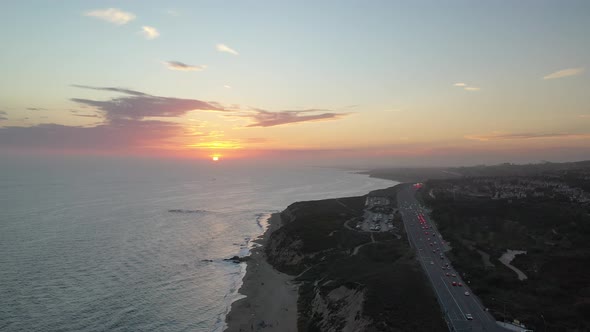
385, 83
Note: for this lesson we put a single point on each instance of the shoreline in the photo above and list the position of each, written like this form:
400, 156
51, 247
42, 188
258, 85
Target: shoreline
270, 302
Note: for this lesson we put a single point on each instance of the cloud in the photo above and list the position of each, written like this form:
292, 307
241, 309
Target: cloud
584, 116
522, 136
138, 105
112, 15
177, 65
125, 124
466, 87
117, 135
121, 90
227, 86
87, 115
264, 118
131, 121
564, 73
150, 32
226, 49
3, 115
36, 109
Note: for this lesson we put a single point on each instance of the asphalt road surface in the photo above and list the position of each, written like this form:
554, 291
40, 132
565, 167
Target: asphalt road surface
430, 250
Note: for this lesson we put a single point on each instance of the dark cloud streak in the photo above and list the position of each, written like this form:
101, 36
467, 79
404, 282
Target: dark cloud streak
111, 89
117, 135
139, 105
264, 118
177, 65
521, 136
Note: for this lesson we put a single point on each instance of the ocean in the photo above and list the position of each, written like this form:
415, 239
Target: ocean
103, 244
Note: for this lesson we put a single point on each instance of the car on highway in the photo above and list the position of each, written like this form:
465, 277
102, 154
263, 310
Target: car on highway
468, 316
466, 293
454, 275
454, 283
448, 274
431, 263
459, 284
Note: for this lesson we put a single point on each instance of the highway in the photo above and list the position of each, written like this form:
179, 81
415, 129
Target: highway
430, 251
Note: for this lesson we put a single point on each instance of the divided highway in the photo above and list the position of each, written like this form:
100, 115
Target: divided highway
463, 311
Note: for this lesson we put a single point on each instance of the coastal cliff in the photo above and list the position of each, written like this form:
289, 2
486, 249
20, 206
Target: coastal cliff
340, 309
350, 280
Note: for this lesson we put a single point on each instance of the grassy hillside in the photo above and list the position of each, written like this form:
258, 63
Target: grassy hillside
555, 232
397, 296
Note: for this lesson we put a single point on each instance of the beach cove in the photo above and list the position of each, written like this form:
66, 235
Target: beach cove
270, 301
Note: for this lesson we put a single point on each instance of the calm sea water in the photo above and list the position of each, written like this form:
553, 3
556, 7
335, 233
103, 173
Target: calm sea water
92, 244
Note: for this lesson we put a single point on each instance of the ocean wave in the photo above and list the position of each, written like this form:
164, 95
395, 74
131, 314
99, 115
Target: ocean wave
262, 218
187, 211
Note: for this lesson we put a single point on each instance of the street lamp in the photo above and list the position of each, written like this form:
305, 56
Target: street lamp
544, 323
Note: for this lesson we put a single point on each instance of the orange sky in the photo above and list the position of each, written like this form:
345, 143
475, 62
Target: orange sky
417, 83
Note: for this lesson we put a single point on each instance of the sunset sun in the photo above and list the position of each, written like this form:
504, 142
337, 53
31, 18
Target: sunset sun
215, 158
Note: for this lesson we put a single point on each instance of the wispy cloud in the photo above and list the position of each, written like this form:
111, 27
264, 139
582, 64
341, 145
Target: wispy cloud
177, 65
112, 15
564, 73
3, 115
36, 109
150, 32
262, 118
522, 136
466, 87
138, 105
226, 49
227, 86
110, 89
87, 115
584, 116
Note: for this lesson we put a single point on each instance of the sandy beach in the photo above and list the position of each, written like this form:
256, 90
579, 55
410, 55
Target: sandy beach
271, 297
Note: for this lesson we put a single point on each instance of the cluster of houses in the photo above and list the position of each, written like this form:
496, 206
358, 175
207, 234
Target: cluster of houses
519, 188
